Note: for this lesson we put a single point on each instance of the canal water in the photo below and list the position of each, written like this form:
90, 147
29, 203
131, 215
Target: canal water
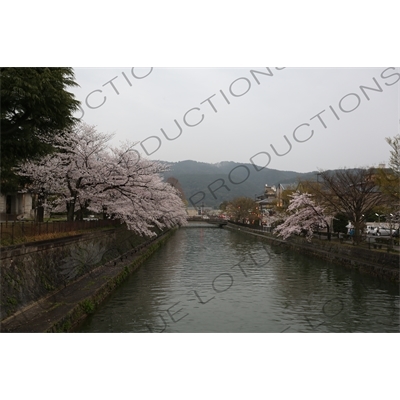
218, 280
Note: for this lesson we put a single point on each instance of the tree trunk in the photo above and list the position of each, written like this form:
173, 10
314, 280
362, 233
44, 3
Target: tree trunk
329, 232
79, 215
70, 210
81, 212
40, 208
40, 214
357, 236
391, 236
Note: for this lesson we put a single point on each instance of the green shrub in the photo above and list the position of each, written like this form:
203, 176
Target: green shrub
88, 306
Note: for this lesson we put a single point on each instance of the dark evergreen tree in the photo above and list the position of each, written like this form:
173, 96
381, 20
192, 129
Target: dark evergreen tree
35, 105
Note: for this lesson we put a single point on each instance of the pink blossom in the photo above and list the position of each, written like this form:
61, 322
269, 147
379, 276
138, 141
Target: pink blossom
303, 216
86, 173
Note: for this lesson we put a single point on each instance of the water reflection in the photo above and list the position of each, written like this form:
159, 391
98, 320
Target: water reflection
216, 280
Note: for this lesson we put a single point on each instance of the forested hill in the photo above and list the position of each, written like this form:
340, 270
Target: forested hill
196, 176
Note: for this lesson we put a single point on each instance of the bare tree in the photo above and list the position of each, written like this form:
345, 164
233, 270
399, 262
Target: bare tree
389, 184
352, 192
394, 161
389, 178
242, 208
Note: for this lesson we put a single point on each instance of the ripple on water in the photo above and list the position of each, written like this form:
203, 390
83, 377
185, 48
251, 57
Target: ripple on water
213, 280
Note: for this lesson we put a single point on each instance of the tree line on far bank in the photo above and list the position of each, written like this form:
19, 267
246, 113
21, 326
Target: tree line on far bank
340, 196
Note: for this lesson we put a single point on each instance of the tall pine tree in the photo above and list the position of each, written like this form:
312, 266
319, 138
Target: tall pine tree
35, 105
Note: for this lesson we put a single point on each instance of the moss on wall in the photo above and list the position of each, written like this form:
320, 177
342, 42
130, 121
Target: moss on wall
34, 270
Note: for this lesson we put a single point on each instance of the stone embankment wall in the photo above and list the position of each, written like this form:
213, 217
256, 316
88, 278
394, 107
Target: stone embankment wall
376, 263
35, 270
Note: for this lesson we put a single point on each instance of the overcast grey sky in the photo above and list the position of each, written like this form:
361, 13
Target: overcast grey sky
349, 129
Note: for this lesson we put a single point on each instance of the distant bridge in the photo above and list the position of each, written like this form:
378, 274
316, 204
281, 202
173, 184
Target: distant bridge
219, 223
209, 223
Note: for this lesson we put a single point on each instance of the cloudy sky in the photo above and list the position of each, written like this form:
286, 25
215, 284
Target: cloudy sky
298, 119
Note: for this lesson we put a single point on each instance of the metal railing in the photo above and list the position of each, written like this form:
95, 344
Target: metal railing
371, 242
20, 232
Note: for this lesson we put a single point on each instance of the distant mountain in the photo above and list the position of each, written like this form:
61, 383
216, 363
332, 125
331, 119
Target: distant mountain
240, 179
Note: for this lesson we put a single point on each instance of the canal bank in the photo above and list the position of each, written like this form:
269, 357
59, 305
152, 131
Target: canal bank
222, 280
66, 308
378, 264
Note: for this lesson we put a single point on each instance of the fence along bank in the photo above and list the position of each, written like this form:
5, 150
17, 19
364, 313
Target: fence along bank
378, 263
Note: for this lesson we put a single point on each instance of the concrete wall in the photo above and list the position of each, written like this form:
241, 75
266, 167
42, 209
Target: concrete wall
376, 263
34, 270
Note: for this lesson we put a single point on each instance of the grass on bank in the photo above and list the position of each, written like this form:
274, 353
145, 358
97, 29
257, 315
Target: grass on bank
8, 241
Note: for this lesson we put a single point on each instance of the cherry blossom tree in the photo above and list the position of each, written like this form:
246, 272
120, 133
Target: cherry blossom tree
304, 216
70, 170
131, 189
87, 174
276, 218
